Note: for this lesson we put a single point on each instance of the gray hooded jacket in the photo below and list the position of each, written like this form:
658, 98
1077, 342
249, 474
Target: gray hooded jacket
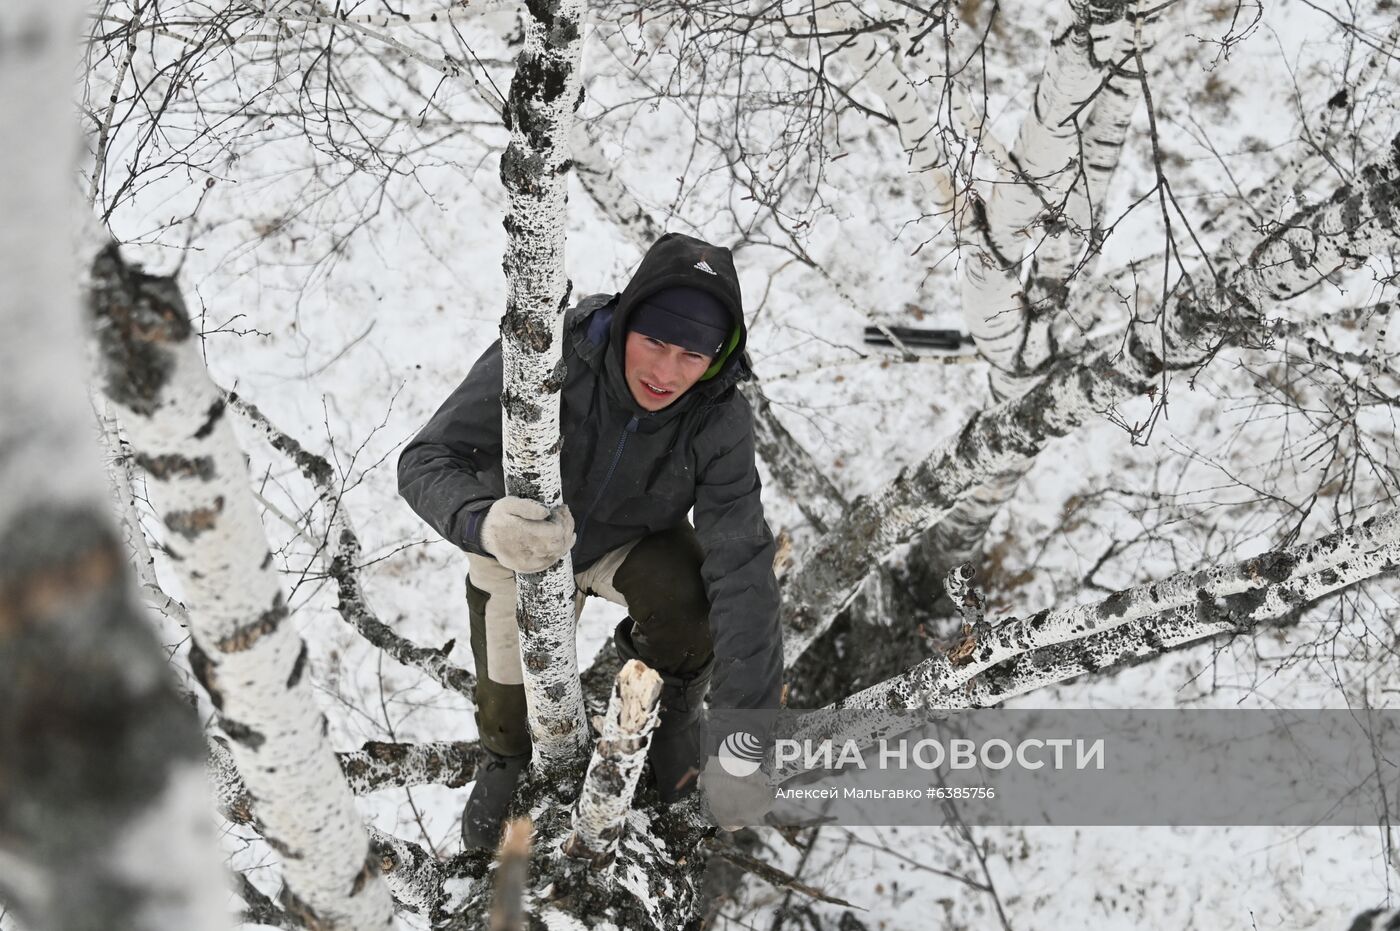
627, 472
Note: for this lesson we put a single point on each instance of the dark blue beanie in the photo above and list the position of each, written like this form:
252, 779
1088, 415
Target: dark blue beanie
693, 319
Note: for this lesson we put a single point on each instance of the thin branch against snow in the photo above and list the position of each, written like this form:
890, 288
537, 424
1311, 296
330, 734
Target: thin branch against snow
773, 876
456, 10
616, 765
246, 654
345, 560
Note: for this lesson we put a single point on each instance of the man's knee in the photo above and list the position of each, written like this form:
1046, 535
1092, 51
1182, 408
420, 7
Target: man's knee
665, 593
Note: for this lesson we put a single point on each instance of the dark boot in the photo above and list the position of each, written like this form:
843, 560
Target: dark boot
490, 800
678, 741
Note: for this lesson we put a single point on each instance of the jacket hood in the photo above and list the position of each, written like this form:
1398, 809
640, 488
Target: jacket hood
680, 260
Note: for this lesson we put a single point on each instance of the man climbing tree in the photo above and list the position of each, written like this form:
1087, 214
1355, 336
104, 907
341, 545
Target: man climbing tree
652, 426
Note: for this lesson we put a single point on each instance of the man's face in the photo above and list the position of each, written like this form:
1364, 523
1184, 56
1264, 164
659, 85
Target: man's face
658, 373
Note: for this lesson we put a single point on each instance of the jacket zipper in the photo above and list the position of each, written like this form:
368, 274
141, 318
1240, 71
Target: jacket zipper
612, 467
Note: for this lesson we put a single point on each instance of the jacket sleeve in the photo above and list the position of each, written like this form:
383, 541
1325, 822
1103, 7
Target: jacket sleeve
450, 473
738, 571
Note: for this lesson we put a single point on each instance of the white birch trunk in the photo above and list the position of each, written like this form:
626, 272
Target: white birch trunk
534, 169
246, 652
1015, 326
104, 819
616, 765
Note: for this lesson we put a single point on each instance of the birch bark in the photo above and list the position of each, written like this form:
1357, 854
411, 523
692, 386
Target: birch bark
1041, 207
616, 765
246, 652
104, 817
544, 94
1019, 656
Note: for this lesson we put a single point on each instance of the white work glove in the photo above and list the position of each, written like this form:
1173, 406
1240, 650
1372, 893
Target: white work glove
524, 536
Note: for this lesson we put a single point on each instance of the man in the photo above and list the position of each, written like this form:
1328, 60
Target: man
652, 426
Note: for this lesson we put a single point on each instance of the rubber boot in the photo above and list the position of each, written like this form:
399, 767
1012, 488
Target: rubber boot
677, 743
489, 802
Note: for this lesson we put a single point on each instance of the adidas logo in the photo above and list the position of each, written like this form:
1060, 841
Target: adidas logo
705, 267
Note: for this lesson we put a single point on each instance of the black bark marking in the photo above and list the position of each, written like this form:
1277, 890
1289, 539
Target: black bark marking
206, 674
174, 465
247, 636
520, 409
242, 733
297, 668
365, 876
190, 524
527, 330
216, 413
140, 318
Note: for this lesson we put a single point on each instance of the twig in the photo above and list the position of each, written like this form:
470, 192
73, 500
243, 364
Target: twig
774, 876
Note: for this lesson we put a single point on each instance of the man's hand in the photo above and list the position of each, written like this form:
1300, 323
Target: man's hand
524, 536
735, 801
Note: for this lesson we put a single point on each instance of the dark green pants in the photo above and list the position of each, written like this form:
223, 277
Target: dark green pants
657, 579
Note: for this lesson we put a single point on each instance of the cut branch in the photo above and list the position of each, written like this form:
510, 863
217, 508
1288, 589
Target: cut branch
616, 765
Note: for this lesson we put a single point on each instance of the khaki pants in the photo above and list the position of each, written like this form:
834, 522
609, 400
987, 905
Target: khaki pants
657, 579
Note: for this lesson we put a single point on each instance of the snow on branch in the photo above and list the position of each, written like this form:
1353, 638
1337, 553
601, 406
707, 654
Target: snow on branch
1357, 221
376, 765
616, 765
1019, 656
344, 563
246, 654
1267, 585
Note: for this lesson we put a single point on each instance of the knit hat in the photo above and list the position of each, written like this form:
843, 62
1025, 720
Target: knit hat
688, 317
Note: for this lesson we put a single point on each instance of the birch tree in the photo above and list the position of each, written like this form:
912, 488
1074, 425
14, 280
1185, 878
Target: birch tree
534, 170
103, 810
246, 655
